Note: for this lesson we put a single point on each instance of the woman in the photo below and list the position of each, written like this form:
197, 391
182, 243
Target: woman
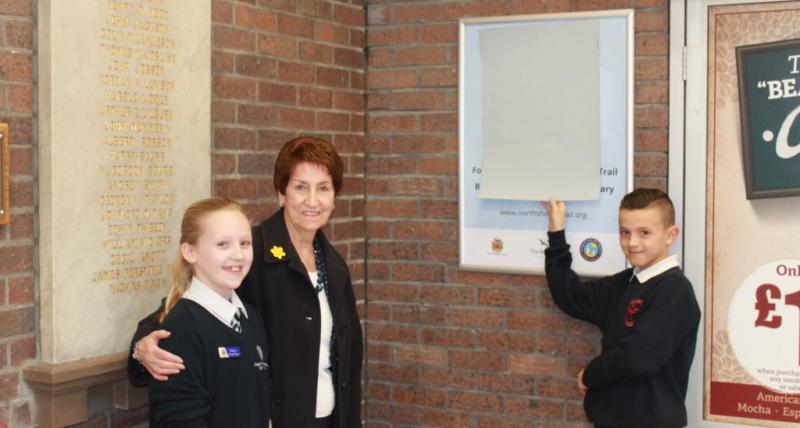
302, 288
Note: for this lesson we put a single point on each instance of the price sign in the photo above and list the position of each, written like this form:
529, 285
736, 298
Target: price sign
764, 325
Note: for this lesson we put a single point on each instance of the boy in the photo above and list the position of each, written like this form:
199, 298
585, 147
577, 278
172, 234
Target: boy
648, 315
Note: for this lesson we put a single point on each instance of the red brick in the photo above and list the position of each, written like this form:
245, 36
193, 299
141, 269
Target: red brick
392, 122
334, 121
392, 372
394, 333
221, 12
525, 7
524, 406
315, 97
21, 194
234, 138
379, 36
20, 291
16, 66
428, 55
253, 163
514, 383
286, 5
348, 100
439, 122
557, 388
277, 93
508, 341
296, 26
15, 259
21, 98
448, 294
256, 115
223, 112
427, 12
654, 165
296, 118
242, 188
418, 395
358, 38
651, 182
507, 298
21, 161
440, 33
573, 346
393, 251
447, 378
391, 78
222, 164
444, 418
425, 144
652, 140
315, 52
476, 360
417, 272
422, 355
332, 77
256, 66
535, 364
476, 317
419, 230
15, 7
536, 321
415, 314
651, 68
652, 92
8, 386
257, 19
348, 15
440, 252
381, 57
652, 44
222, 62
656, 20
331, 33
651, 117
451, 337
475, 401
22, 349
352, 58
378, 14
19, 34
296, 72
315, 9
233, 87
277, 45
14, 322
232, 38
420, 100
393, 292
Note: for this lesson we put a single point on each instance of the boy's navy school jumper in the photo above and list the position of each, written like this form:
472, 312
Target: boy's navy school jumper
649, 333
226, 380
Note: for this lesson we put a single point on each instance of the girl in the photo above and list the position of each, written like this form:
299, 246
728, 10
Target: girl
221, 340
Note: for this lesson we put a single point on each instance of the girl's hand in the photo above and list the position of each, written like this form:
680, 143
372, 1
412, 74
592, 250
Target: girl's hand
556, 214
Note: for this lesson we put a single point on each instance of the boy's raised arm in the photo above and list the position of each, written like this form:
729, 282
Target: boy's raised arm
585, 301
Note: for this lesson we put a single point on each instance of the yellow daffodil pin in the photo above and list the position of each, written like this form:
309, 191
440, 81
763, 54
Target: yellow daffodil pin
277, 252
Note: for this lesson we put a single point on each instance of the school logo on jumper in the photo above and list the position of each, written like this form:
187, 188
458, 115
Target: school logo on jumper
497, 245
591, 249
261, 365
634, 306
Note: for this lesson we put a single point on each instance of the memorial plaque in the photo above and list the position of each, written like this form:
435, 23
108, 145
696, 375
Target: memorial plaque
124, 94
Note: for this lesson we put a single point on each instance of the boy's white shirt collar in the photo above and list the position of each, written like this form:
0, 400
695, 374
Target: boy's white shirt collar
657, 269
222, 309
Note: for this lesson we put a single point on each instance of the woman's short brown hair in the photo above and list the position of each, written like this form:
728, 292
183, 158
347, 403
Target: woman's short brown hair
307, 149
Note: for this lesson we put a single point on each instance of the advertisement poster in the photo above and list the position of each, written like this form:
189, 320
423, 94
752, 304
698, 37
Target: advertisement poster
508, 235
752, 317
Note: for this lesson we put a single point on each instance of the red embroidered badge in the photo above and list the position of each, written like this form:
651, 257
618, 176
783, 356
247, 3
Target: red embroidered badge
633, 308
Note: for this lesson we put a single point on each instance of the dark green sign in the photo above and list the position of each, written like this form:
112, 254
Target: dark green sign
769, 104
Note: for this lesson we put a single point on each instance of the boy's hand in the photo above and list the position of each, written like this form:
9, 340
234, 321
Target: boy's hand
556, 213
581, 387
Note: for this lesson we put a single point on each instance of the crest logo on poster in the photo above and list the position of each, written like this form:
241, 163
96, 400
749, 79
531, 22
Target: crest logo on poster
591, 249
497, 245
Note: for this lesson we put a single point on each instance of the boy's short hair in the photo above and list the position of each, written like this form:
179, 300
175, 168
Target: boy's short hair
644, 197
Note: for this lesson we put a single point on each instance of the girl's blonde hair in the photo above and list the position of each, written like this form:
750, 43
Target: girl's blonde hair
191, 228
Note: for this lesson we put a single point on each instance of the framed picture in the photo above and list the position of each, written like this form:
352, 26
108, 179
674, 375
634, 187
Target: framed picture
769, 103
545, 109
5, 165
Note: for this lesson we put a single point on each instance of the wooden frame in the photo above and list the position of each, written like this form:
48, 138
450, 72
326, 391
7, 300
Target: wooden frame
5, 185
768, 110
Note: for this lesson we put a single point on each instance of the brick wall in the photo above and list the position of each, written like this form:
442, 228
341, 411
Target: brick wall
17, 291
454, 348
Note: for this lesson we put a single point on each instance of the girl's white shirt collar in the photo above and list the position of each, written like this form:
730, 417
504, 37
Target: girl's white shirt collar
217, 305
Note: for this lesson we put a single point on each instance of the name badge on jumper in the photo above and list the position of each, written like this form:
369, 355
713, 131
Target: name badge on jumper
229, 352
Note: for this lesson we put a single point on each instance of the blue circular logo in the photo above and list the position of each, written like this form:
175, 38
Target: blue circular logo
591, 250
